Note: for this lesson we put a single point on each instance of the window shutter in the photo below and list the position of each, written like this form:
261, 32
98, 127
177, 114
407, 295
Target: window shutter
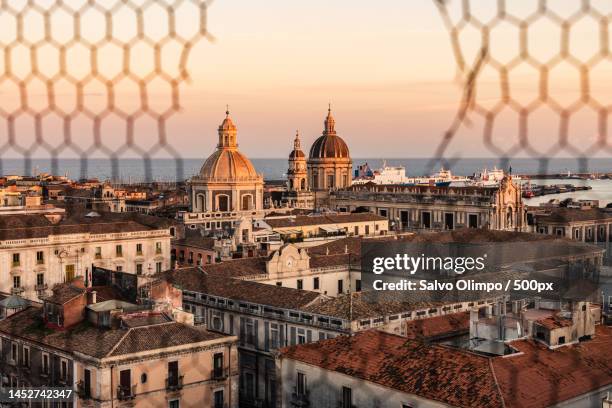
281, 330
292, 338
242, 330
256, 333
266, 336
308, 336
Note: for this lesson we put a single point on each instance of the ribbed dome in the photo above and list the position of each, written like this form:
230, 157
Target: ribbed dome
329, 145
296, 154
228, 164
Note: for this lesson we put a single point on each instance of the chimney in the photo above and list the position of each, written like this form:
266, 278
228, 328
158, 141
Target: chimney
327, 251
92, 297
346, 249
536, 303
515, 307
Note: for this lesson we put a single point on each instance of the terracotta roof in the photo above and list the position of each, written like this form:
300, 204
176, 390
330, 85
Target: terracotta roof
536, 377
540, 377
196, 240
566, 215
438, 326
160, 336
63, 293
321, 261
195, 280
37, 225
144, 319
238, 267
307, 220
434, 372
554, 322
101, 342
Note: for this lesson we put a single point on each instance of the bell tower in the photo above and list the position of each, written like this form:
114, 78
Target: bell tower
297, 174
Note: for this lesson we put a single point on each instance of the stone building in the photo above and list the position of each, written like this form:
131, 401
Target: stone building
298, 194
438, 208
585, 224
329, 163
113, 353
378, 369
227, 188
38, 251
310, 228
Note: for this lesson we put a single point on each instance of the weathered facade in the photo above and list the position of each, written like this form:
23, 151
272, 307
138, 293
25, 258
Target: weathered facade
438, 208
37, 253
116, 354
227, 188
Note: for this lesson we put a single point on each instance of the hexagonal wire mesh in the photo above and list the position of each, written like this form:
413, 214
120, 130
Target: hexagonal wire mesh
91, 77
500, 42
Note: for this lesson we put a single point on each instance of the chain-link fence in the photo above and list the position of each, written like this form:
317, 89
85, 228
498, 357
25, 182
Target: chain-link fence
525, 65
85, 78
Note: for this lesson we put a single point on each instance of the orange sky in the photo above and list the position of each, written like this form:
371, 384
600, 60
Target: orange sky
387, 68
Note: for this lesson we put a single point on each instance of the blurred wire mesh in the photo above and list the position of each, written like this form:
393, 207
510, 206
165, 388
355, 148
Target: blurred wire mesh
521, 64
85, 78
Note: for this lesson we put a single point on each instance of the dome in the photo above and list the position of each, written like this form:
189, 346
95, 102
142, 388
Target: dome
297, 152
329, 145
228, 164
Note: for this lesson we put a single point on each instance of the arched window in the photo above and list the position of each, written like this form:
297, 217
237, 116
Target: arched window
222, 202
201, 202
246, 202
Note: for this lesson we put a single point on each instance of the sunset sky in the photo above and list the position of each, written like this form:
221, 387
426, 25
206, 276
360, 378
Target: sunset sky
387, 68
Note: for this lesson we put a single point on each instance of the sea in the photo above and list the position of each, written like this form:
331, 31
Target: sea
133, 170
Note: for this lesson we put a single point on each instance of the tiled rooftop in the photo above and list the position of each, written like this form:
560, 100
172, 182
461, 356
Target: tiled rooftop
536, 377
38, 226
326, 219
435, 372
195, 280
101, 342
566, 215
540, 377
438, 326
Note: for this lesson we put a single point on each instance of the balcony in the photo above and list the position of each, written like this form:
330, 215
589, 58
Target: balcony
219, 374
15, 264
41, 286
300, 399
98, 256
18, 290
174, 383
126, 392
158, 251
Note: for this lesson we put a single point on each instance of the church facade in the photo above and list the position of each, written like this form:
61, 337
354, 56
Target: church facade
227, 188
329, 167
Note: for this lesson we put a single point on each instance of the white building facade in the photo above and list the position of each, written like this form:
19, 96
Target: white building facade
32, 261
